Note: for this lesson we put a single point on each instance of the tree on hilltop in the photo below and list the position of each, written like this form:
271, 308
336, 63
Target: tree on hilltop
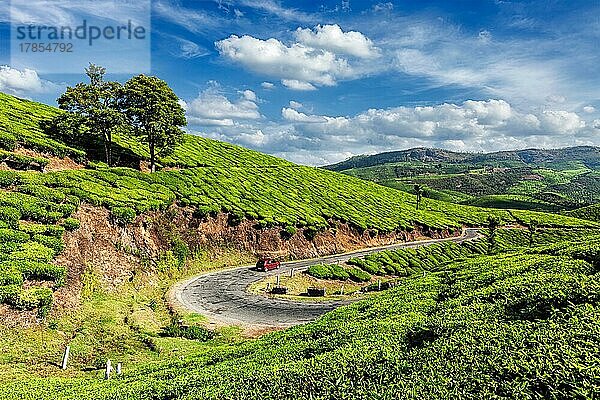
419, 192
92, 109
153, 111
492, 225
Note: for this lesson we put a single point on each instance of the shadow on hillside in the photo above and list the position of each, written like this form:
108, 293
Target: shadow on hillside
94, 147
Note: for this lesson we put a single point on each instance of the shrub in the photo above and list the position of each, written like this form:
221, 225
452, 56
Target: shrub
40, 229
40, 271
358, 275
288, 231
40, 298
18, 161
71, 224
11, 235
73, 200
370, 266
51, 242
310, 232
338, 272
10, 276
320, 271
9, 293
42, 192
8, 178
202, 212
65, 209
123, 215
32, 251
7, 141
180, 251
189, 332
11, 216
235, 218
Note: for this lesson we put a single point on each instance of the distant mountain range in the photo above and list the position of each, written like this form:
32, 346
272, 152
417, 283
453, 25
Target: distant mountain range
587, 155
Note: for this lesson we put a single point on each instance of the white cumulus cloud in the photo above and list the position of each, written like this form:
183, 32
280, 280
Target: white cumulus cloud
25, 81
211, 107
295, 84
290, 114
294, 63
332, 38
296, 105
249, 95
319, 57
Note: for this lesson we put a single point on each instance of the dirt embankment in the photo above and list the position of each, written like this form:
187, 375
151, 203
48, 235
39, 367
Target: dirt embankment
273, 242
116, 252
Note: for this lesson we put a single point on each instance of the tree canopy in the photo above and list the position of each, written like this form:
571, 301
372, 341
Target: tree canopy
92, 109
154, 113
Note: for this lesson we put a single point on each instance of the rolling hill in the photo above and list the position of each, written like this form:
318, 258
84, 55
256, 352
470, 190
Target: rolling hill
521, 324
126, 232
36, 207
586, 155
543, 180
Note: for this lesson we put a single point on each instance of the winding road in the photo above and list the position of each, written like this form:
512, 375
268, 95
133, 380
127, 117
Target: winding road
222, 296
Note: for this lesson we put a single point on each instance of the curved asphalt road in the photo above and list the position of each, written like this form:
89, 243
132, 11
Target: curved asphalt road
222, 295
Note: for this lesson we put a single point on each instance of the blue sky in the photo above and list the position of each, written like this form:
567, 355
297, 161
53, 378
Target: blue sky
317, 82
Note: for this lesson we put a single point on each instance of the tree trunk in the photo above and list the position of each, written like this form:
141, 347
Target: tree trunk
106, 159
108, 148
152, 158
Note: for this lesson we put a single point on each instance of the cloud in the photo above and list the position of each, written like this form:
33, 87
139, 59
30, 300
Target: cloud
383, 7
332, 38
296, 105
484, 36
319, 57
249, 95
267, 85
471, 120
26, 81
296, 62
295, 84
292, 115
276, 9
183, 48
194, 20
64, 13
473, 125
501, 74
211, 107
560, 122
589, 109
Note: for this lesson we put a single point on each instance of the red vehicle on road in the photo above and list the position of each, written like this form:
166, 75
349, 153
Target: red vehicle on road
267, 264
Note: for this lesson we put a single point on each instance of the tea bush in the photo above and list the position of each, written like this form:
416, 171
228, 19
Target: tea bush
8, 141
11, 216
513, 325
358, 275
123, 215
193, 332
71, 224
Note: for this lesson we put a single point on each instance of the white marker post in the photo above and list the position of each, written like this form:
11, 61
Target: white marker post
108, 369
65, 359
